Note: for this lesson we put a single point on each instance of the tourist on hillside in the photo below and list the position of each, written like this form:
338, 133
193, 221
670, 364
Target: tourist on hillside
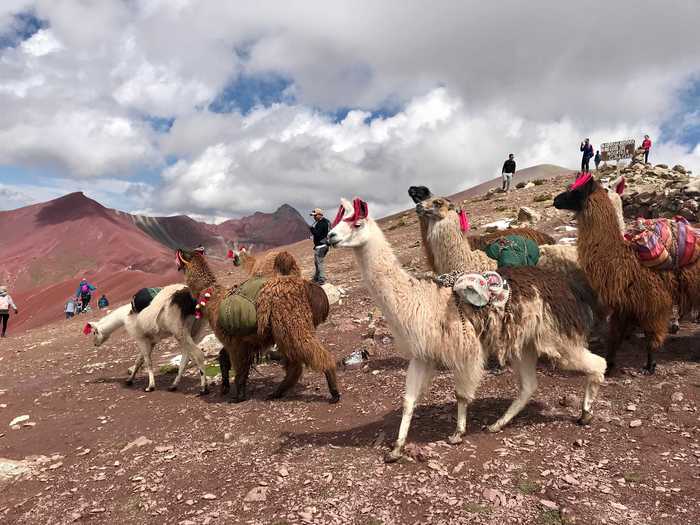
84, 292
70, 308
507, 172
587, 149
596, 159
78, 306
102, 302
646, 146
6, 303
319, 232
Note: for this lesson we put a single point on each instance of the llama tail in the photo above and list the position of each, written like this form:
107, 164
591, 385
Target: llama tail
298, 342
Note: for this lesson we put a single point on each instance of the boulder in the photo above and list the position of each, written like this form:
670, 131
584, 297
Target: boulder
680, 169
527, 214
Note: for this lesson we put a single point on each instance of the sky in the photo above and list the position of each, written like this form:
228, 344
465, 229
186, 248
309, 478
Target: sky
221, 109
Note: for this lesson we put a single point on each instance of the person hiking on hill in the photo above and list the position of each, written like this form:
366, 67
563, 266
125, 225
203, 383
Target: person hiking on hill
646, 146
102, 302
587, 149
84, 292
6, 303
70, 308
596, 159
507, 172
319, 232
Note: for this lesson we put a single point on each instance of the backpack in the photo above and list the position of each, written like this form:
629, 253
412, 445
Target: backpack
513, 250
143, 298
237, 314
84, 289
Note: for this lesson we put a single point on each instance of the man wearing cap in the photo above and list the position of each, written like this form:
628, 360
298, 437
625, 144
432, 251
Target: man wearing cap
319, 232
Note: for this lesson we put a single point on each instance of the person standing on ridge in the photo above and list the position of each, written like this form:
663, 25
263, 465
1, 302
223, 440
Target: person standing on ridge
6, 303
596, 159
507, 172
587, 149
102, 302
319, 232
646, 146
84, 292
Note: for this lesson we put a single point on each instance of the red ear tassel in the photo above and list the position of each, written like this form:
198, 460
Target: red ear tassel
87, 329
620, 188
338, 216
229, 254
581, 181
463, 220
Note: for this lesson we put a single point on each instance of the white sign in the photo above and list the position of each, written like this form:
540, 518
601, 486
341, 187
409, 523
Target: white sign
622, 149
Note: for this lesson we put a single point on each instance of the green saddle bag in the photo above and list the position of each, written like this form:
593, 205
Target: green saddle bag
513, 250
237, 315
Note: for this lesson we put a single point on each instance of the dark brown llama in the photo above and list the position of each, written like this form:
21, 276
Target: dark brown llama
635, 294
285, 318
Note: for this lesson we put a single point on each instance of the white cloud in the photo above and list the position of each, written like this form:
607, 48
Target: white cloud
474, 80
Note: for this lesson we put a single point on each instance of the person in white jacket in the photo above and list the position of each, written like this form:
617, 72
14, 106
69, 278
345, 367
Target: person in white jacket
5, 304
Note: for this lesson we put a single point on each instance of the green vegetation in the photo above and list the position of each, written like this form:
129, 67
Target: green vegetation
538, 182
527, 486
543, 197
475, 508
551, 517
632, 477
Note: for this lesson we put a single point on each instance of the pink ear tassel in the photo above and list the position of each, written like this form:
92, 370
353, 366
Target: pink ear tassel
463, 220
87, 329
620, 188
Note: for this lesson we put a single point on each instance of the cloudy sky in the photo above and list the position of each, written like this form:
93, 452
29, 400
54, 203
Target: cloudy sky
219, 109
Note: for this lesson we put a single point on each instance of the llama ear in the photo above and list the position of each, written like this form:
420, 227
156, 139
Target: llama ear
620, 185
463, 220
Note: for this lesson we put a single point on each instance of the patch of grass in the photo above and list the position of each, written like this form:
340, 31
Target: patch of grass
374, 521
398, 224
168, 368
538, 182
632, 477
212, 370
520, 185
543, 197
502, 208
551, 517
475, 508
527, 486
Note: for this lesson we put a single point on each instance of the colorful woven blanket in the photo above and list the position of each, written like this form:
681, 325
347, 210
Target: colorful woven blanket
664, 244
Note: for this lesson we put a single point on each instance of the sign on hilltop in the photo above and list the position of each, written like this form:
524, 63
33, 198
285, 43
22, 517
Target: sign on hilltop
622, 149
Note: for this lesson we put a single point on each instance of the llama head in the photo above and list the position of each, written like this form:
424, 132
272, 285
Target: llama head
419, 193
575, 197
435, 208
98, 336
185, 258
350, 226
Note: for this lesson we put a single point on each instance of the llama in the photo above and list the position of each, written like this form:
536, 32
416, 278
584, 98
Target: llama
285, 317
634, 293
544, 317
263, 266
171, 313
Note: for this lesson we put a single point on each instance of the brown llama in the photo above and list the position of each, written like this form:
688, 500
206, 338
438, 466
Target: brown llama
635, 294
424, 199
285, 317
263, 266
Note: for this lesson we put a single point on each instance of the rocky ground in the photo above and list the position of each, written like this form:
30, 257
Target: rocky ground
93, 450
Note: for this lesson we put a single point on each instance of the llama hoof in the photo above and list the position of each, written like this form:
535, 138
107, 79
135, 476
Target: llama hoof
224, 390
334, 399
172, 388
455, 439
649, 369
393, 456
149, 389
203, 392
674, 328
611, 371
494, 428
585, 419
129, 382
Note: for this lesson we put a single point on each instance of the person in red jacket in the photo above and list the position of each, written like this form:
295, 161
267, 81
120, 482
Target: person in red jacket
646, 146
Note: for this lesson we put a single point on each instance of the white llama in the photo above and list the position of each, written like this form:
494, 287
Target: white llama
431, 330
170, 314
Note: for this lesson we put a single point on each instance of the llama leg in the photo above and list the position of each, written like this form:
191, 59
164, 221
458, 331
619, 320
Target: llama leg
655, 341
415, 379
184, 361
242, 361
580, 359
332, 381
147, 350
135, 369
466, 384
193, 352
293, 373
526, 368
225, 366
616, 333
674, 326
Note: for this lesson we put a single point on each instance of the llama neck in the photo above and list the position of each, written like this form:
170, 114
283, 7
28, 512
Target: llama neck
450, 251
381, 271
249, 263
199, 277
600, 240
113, 321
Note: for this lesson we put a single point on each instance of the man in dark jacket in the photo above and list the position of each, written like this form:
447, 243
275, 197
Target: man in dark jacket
507, 172
319, 232
587, 149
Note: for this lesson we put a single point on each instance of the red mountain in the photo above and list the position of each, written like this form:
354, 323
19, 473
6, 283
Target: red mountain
46, 248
